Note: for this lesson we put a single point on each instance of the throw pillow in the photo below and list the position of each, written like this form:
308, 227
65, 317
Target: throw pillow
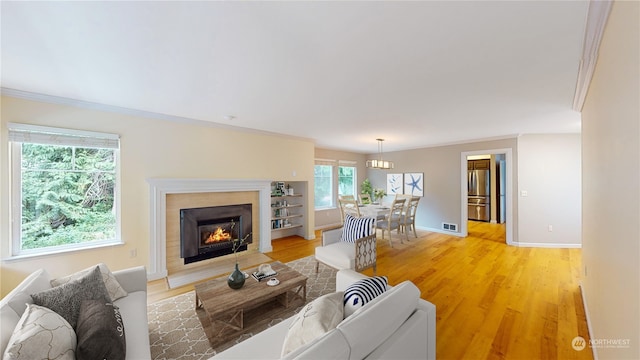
315, 319
113, 286
41, 334
355, 228
66, 299
100, 331
363, 291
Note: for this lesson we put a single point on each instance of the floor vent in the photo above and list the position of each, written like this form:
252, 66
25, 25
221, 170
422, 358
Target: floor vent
449, 227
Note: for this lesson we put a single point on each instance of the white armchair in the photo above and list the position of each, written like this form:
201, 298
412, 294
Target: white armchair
339, 254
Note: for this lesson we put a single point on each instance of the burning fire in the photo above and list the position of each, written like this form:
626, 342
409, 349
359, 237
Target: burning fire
217, 236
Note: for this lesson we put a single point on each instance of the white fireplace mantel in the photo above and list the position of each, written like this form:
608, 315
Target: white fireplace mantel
159, 188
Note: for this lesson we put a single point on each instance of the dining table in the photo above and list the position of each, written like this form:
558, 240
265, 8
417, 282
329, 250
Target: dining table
375, 211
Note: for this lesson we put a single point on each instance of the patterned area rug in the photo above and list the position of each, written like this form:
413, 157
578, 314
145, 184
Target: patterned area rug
176, 333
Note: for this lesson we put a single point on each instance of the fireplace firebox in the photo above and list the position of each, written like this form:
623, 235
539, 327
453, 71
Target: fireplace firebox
209, 232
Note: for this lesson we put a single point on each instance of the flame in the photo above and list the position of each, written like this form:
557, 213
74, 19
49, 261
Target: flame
217, 236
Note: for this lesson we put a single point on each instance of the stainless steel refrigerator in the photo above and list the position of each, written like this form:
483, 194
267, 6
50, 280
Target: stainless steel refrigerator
479, 196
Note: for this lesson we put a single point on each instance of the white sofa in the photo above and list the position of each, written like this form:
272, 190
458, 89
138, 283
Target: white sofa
395, 325
133, 308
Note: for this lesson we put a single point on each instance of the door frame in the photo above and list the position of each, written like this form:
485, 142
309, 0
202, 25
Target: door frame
509, 193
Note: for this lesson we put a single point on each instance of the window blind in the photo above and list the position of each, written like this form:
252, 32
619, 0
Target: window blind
57, 136
347, 163
325, 162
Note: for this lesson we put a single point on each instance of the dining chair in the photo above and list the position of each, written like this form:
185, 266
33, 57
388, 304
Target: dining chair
347, 197
348, 206
407, 197
393, 219
409, 219
403, 196
365, 198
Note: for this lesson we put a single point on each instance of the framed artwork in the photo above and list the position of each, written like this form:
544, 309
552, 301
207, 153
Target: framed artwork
394, 184
414, 184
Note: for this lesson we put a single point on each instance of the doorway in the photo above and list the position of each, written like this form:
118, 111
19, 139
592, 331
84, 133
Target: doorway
504, 211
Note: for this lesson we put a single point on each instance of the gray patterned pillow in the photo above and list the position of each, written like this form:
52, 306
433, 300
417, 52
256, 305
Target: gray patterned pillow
113, 286
66, 299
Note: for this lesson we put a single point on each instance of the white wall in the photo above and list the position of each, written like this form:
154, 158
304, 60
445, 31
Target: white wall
611, 186
149, 149
549, 170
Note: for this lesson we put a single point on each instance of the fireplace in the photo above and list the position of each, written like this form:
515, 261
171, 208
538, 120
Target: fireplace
209, 232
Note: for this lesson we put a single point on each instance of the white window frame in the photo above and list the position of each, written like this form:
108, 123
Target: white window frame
331, 163
23, 133
335, 181
351, 164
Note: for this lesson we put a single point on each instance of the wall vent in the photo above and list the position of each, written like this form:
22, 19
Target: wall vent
450, 227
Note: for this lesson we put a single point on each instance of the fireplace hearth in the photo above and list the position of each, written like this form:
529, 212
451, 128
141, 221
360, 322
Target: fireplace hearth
208, 232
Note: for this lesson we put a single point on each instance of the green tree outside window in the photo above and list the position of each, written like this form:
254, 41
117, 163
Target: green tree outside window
67, 195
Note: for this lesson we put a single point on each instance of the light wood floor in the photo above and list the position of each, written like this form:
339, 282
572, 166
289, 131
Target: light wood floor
493, 301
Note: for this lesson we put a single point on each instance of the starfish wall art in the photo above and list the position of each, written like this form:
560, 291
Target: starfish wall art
414, 184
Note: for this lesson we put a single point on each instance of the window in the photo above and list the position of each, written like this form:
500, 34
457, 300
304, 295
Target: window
328, 173
64, 189
323, 188
347, 180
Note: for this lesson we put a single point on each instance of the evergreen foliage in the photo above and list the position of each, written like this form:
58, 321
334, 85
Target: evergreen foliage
67, 195
346, 179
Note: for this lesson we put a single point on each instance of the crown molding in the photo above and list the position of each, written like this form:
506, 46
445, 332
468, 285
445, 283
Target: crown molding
597, 15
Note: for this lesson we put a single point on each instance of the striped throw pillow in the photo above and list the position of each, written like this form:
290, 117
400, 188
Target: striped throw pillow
355, 228
363, 291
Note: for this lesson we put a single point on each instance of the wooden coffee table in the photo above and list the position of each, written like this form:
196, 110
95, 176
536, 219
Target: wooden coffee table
226, 313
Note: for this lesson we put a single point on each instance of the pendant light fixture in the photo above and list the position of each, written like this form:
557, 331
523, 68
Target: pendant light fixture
379, 163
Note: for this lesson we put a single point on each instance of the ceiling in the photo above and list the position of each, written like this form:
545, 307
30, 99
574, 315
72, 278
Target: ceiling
417, 74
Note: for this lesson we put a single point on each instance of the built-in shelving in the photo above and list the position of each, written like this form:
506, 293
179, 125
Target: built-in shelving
288, 206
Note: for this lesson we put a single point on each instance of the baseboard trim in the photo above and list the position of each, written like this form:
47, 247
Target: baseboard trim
587, 315
548, 245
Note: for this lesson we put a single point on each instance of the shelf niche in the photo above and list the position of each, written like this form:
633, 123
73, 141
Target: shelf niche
288, 209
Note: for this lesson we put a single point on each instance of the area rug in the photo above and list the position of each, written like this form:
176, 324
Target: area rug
176, 333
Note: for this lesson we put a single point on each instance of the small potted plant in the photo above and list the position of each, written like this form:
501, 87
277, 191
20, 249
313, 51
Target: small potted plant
236, 278
378, 194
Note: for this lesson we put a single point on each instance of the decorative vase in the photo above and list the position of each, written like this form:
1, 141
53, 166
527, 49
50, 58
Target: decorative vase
236, 279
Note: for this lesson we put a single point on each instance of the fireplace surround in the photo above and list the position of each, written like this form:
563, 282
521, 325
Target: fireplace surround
159, 189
